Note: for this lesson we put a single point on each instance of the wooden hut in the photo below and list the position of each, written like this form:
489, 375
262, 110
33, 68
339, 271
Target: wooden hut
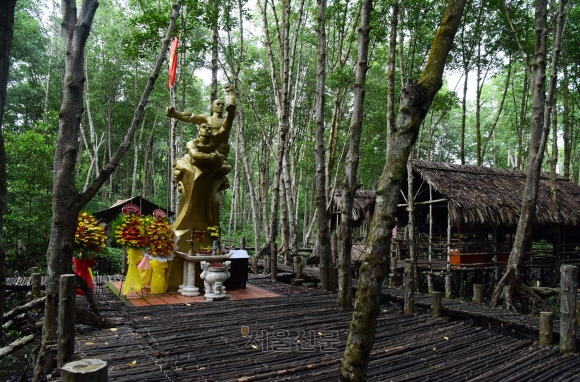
469, 214
465, 219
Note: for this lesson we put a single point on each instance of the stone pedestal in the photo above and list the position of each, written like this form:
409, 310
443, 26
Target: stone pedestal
190, 278
189, 289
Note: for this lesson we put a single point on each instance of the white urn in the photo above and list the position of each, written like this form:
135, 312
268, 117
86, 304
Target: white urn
214, 278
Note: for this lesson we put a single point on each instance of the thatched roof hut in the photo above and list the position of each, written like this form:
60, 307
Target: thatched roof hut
492, 197
363, 206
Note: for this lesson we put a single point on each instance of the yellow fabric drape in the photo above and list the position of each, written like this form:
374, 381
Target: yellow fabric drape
133, 281
158, 277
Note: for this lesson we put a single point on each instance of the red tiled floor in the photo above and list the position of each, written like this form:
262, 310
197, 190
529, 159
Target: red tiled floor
146, 298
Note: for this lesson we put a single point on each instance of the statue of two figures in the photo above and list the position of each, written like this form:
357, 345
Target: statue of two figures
201, 173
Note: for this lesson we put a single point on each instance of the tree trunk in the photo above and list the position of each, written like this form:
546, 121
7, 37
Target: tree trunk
463, 116
539, 131
146, 163
292, 244
136, 145
567, 136
414, 104
281, 84
66, 200
349, 187
321, 212
214, 50
6, 34
391, 66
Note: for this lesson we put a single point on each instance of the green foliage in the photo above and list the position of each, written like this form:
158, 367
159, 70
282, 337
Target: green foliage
115, 256
29, 179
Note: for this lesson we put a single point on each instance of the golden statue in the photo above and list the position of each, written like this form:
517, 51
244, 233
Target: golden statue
201, 173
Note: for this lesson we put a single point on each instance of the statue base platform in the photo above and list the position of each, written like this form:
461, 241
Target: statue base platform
192, 272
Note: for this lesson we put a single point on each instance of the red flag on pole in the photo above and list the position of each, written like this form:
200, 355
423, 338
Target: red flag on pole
173, 62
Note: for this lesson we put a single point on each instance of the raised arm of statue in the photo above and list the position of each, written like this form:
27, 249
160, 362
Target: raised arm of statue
224, 132
185, 116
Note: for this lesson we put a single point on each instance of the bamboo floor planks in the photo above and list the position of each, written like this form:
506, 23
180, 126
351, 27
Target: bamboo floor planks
301, 336
500, 319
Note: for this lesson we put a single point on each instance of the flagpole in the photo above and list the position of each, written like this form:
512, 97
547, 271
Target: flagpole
173, 60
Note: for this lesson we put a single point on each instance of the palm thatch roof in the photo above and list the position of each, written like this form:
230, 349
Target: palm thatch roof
363, 205
493, 197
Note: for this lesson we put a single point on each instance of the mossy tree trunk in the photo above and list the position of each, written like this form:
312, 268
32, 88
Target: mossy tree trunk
350, 186
321, 213
539, 131
67, 201
415, 101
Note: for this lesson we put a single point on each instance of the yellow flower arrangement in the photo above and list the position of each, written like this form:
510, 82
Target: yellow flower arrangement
130, 231
90, 238
161, 237
214, 231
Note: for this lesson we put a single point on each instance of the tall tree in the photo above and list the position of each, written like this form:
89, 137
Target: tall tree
67, 201
350, 186
281, 72
414, 104
6, 33
321, 211
539, 131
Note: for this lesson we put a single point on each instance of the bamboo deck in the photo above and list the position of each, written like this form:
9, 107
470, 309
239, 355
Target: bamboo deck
301, 335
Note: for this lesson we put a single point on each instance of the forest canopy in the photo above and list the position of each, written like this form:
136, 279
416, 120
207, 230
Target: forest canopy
481, 116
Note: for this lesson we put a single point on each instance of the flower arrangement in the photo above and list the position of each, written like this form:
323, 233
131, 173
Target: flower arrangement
130, 231
161, 238
214, 231
89, 237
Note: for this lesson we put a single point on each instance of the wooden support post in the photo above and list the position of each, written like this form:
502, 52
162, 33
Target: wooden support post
461, 277
430, 282
411, 227
546, 328
409, 282
85, 370
430, 226
298, 267
569, 274
436, 304
267, 261
35, 284
66, 318
243, 243
448, 289
274, 262
334, 248
477, 293
34, 270
334, 258
495, 265
448, 240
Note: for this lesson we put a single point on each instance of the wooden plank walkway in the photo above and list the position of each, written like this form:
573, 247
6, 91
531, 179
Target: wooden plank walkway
301, 336
495, 318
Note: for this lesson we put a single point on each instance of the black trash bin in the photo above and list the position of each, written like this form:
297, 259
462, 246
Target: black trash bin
238, 269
